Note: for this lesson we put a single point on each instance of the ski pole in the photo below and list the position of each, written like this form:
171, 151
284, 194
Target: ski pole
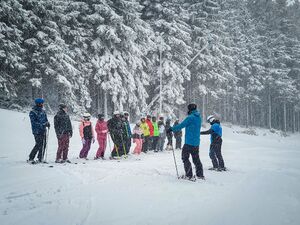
46, 149
175, 163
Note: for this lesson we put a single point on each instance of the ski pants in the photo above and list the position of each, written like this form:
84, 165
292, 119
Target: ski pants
170, 141
161, 142
146, 143
102, 147
139, 145
154, 142
178, 142
215, 155
63, 147
40, 145
128, 145
188, 150
118, 150
85, 148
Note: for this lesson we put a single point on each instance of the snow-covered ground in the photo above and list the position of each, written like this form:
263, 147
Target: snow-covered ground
261, 187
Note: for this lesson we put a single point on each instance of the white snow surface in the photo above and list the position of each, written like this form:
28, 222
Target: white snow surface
262, 185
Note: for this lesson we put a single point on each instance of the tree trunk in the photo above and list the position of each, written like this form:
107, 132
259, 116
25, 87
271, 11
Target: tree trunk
269, 111
247, 114
203, 107
284, 116
294, 119
105, 104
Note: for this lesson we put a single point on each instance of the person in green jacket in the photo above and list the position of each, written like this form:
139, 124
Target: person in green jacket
155, 134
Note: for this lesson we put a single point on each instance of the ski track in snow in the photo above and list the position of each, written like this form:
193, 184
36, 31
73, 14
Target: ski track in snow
262, 185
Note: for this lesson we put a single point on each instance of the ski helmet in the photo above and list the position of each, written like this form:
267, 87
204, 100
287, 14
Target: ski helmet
62, 106
100, 116
86, 115
125, 113
117, 112
192, 107
210, 119
39, 101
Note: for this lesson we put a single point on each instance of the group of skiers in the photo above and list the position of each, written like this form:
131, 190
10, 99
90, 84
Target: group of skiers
148, 134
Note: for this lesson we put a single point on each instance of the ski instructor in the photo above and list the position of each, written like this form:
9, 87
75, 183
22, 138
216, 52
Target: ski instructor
192, 124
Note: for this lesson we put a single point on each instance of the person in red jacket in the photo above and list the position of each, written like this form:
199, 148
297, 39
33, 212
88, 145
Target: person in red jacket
101, 130
151, 129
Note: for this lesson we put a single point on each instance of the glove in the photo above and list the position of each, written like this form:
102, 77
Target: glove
83, 141
47, 124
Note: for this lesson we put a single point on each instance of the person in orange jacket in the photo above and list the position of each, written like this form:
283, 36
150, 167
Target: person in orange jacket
87, 135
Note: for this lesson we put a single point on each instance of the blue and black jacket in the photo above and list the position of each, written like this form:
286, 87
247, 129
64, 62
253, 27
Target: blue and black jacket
38, 119
215, 132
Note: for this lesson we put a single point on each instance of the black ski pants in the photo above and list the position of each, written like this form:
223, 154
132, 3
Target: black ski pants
215, 155
40, 145
155, 142
188, 150
145, 144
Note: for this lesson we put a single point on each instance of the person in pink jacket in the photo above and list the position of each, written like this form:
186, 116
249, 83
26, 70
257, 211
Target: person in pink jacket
101, 130
137, 138
87, 135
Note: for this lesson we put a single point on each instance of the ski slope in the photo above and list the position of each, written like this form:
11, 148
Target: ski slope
262, 186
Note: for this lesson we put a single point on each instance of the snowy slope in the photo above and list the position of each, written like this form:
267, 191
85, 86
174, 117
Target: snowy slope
262, 186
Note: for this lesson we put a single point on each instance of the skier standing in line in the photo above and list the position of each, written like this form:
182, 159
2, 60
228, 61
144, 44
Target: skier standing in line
155, 137
101, 130
162, 134
137, 138
145, 128
128, 131
39, 122
64, 131
151, 130
169, 135
87, 135
178, 136
115, 127
215, 153
192, 124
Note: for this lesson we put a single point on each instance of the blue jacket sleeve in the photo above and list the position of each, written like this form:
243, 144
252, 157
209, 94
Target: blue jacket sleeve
183, 124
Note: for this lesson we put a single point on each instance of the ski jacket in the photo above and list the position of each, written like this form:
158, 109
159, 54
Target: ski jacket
150, 125
145, 129
192, 124
62, 124
101, 129
161, 128
116, 128
155, 129
168, 126
38, 119
86, 130
137, 133
127, 129
177, 133
215, 132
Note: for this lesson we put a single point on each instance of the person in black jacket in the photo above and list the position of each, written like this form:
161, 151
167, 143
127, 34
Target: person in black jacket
63, 130
169, 135
178, 135
39, 123
116, 129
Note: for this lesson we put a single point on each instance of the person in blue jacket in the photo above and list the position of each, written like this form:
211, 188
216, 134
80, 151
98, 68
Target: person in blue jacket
215, 153
192, 124
39, 122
